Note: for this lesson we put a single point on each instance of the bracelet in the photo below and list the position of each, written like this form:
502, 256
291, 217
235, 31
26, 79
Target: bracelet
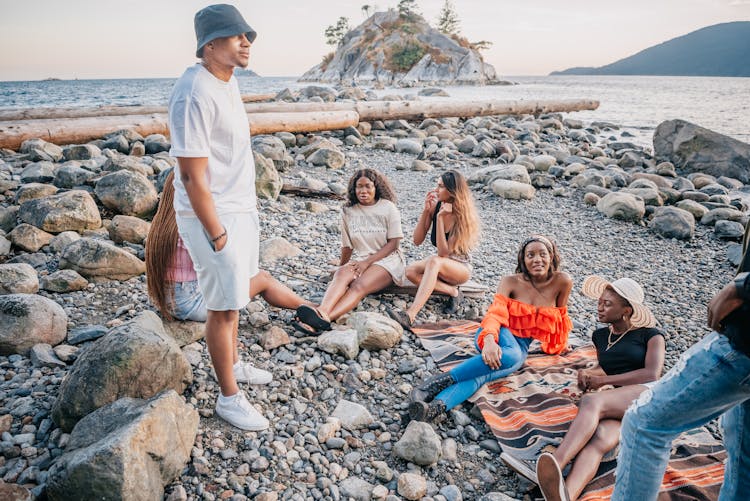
223, 234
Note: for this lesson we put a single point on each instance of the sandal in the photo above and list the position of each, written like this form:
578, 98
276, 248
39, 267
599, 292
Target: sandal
311, 317
304, 328
401, 317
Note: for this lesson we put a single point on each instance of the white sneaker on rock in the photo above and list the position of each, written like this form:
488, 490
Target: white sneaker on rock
244, 372
237, 411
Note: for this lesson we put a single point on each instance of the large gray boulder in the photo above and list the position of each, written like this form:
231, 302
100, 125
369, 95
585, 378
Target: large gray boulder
98, 260
693, 148
71, 174
128, 193
130, 449
70, 211
29, 238
268, 182
18, 278
128, 229
673, 222
275, 248
29, 319
512, 190
620, 205
419, 444
31, 191
374, 331
63, 281
136, 359
39, 149
38, 172
513, 172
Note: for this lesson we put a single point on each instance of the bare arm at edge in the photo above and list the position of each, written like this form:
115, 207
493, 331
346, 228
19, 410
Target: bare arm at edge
193, 177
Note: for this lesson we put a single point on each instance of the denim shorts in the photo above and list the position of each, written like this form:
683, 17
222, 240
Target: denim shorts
189, 303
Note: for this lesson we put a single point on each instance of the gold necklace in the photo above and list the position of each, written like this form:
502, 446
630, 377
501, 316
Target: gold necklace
611, 343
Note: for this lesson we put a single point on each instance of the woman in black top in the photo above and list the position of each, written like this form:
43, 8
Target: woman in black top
631, 357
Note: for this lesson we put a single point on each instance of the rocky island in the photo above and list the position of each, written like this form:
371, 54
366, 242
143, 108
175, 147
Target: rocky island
394, 48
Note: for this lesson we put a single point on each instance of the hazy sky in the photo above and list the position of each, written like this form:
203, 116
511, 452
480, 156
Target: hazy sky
155, 38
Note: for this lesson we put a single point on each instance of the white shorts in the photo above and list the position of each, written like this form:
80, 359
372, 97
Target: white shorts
224, 276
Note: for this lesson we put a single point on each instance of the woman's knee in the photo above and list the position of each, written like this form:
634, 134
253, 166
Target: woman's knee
606, 436
344, 273
359, 288
590, 404
433, 263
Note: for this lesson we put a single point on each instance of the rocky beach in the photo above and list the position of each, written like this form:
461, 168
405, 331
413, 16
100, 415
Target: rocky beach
98, 396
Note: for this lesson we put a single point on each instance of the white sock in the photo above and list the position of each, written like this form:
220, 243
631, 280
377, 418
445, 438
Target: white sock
225, 399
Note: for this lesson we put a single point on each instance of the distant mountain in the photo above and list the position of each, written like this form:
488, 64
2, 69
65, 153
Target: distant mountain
721, 50
245, 73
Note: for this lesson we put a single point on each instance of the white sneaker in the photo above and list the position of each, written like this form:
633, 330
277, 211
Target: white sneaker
237, 411
524, 468
244, 372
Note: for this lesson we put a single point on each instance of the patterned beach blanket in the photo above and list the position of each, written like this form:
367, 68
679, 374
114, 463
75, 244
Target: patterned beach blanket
532, 409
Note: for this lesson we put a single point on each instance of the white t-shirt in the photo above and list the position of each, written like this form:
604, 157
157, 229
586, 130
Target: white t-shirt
367, 228
207, 119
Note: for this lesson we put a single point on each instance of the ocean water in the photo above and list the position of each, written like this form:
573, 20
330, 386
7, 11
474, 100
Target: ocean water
636, 103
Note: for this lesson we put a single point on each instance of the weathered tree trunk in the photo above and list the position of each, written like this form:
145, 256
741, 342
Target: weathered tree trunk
81, 130
289, 189
274, 117
101, 111
417, 110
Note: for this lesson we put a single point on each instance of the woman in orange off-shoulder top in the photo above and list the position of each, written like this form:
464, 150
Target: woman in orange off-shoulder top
531, 304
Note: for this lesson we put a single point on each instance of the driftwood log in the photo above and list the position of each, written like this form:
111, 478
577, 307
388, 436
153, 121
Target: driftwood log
82, 130
417, 110
267, 118
101, 111
290, 189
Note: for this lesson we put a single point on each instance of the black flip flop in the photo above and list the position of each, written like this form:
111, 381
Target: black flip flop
310, 316
304, 328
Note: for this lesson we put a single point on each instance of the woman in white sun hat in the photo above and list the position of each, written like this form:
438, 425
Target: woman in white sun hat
630, 351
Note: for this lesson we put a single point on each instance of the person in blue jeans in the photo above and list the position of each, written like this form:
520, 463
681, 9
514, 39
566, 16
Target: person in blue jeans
712, 379
530, 304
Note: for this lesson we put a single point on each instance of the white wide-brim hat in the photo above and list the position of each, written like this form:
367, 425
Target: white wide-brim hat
628, 289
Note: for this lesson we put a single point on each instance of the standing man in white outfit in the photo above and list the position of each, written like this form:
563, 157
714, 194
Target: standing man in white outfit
215, 201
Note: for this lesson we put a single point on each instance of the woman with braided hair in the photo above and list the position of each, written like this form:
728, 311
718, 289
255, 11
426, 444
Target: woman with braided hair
530, 304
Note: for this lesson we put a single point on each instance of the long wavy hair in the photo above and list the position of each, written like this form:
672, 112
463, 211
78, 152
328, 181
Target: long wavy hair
383, 188
161, 245
466, 229
554, 254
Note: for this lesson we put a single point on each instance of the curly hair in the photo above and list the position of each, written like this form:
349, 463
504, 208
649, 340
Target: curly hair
554, 253
383, 188
466, 229
161, 245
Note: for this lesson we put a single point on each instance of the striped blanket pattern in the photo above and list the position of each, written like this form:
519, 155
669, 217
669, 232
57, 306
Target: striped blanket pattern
530, 411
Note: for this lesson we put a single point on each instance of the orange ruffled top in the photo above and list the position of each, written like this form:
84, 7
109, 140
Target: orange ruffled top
548, 324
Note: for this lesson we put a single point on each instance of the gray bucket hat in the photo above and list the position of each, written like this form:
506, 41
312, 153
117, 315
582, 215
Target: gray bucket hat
217, 21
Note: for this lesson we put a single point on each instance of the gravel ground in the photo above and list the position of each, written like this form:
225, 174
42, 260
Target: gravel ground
286, 461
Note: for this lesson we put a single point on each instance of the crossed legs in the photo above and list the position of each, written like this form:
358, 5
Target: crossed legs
346, 290
435, 273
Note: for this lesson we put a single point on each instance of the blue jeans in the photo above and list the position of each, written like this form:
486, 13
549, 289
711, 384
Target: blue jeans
474, 373
189, 303
712, 379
